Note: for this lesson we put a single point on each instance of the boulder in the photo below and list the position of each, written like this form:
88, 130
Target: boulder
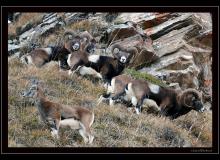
176, 68
201, 49
183, 20
171, 42
116, 32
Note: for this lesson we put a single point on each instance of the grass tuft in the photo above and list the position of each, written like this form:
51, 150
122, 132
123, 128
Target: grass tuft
138, 75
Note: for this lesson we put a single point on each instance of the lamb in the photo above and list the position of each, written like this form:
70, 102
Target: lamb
57, 115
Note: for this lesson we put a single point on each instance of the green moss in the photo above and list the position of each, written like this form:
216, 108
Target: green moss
138, 75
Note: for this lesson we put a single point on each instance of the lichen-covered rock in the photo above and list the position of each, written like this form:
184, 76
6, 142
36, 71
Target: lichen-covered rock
117, 32
171, 42
176, 68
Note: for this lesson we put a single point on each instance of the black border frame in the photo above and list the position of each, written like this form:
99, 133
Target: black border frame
4, 79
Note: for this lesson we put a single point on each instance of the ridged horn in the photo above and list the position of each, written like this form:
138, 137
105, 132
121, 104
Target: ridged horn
188, 92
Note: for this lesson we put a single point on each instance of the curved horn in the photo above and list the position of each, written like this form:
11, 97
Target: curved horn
186, 92
68, 35
86, 35
133, 53
87, 40
115, 50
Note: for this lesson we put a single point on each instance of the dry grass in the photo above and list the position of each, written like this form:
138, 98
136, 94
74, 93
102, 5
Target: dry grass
93, 27
113, 126
22, 20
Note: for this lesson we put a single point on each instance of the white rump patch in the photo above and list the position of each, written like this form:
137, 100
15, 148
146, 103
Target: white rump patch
29, 59
149, 103
48, 50
111, 87
129, 92
134, 101
68, 60
94, 58
71, 122
87, 71
154, 88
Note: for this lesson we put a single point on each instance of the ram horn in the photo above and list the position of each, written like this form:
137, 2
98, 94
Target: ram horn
133, 53
116, 49
86, 35
186, 92
68, 35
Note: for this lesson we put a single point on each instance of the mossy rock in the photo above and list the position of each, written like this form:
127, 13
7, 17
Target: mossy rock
150, 78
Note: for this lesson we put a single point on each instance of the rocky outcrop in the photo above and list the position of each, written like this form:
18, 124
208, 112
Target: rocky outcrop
50, 22
75, 17
180, 47
178, 67
175, 47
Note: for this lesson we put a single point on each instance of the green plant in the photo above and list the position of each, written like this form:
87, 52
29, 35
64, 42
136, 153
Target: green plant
145, 76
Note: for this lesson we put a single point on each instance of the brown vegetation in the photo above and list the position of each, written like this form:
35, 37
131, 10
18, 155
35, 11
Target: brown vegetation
113, 126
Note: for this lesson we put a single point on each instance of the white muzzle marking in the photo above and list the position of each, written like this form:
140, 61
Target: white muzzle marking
123, 59
202, 109
75, 46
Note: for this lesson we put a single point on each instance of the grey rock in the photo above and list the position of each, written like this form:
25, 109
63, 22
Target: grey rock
176, 68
